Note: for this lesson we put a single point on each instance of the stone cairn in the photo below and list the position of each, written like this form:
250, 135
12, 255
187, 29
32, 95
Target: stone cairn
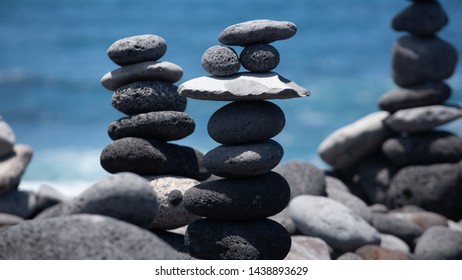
236, 206
400, 156
144, 90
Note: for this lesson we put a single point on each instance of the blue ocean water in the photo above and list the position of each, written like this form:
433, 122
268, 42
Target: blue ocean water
53, 54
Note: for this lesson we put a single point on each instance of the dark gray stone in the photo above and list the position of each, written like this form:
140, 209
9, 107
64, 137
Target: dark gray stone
424, 19
163, 71
417, 60
81, 237
303, 178
434, 187
401, 228
239, 199
246, 160
137, 49
351, 201
153, 157
13, 166
262, 239
257, 31
124, 196
148, 96
19, 203
47, 197
439, 243
429, 93
7, 138
246, 122
220, 61
163, 125
259, 58
421, 149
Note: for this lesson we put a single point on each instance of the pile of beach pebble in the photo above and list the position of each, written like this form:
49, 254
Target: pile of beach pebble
236, 207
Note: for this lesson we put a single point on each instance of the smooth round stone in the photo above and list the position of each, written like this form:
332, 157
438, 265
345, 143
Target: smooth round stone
19, 203
163, 71
422, 119
153, 157
242, 86
349, 256
245, 160
82, 237
13, 166
351, 201
9, 220
416, 60
308, 248
424, 219
163, 125
255, 240
137, 49
331, 221
257, 31
284, 219
347, 146
375, 252
123, 196
423, 19
394, 243
303, 178
429, 93
439, 243
220, 61
422, 149
259, 58
246, 122
7, 138
435, 188
171, 211
148, 96
239, 199
401, 228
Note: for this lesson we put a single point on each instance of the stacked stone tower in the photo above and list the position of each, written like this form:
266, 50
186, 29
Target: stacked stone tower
236, 207
144, 90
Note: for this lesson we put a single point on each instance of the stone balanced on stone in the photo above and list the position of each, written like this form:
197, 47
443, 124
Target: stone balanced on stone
144, 90
399, 156
236, 207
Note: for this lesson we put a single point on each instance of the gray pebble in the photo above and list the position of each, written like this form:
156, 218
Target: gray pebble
351, 201
246, 122
7, 220
163, 125
19, 203
403, 229
137, 49
220, 61
7, 138
439, 243
148, 96
13, 166
424, 19
245, 160
259, 58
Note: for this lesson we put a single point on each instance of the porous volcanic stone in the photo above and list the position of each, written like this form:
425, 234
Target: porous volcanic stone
7, 138
242, 86
13, 166
245, 122
244, 160
429, 93
424, 19
421, 149
259, 58
213, 239
417, 60
137, 49
220, 61
257, 31
163, 71
153, 157
163, 125
439, 243
239, 199
148, 96
81, 237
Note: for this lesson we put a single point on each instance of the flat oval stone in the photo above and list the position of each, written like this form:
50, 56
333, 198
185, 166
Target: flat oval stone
257, 31
259, 58
429, 93
422, 149
439, 243
422, 118
241, 199
148, 96
404, 229
424, 19
152, 157
220, 61
13, 166
137, 49
256, 240
242, 86
243, 160
163, 71
375, 252
245, 122
417, 60
7, 138
163, 125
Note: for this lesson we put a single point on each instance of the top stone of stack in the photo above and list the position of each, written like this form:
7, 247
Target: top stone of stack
136, 49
